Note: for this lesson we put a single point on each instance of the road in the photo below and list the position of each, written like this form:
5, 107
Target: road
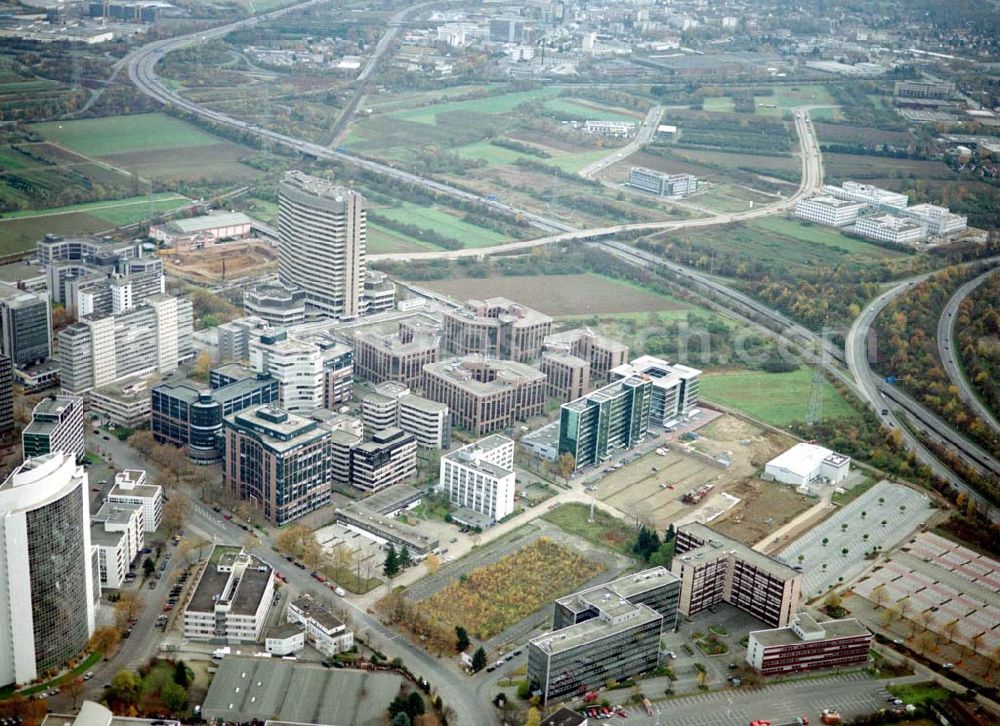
946, 351
869, 384
642, 137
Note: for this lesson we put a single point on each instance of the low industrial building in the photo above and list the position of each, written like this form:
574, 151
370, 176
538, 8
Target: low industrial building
56, 425
891, 228
609, 632
804, 463
480, 476
828, 210
124, 403
231, 598
542, 443
714, 568
131, 488
323, 630
375, 518
805, 645
285, 639
196, 232
662, 184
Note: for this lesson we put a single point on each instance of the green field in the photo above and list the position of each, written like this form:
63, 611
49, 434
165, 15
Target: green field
381, 240
119, 134
490, 105
436, 219
491, 154
718, 103
820, 235
774, 398
583, 111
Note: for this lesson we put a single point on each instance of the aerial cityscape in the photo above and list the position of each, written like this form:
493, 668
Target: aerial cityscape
540, 363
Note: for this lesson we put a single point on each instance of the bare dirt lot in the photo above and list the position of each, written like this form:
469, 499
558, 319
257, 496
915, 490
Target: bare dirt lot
233, 260
564, 294
653, 495
764, 506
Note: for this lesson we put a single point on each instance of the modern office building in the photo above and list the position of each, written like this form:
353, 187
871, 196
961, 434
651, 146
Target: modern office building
321, 247
131, 488
674, 394
231, 598
891, 228
480, 476
234, 338
278, 461
295, 364
485, 395
6, 398
495, 328
117, 530
828, 210
47, 580
939, 221
387, 459
96, 251
276, 304
379, 293
566, 376
188, 415
593, 428
85, 289
806, 645
805, 463
923, 88
25, 322
603, 354
154, 337
398, 357
609, 632
867, 194
338, 366
124, 403
714, 568
323, 630
56, 425
662, 184
392, 404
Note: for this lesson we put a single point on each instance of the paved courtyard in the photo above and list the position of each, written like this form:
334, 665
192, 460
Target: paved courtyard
834, 551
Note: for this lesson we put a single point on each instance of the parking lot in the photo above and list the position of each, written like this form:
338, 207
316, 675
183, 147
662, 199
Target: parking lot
834, 550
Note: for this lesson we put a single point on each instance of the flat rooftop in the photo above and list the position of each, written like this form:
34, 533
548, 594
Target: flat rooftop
830, 201
191, 225
246, 688
574, 636
624, 587
390, 499
717, 544
847, 628
311, 608
507, 373
365, 518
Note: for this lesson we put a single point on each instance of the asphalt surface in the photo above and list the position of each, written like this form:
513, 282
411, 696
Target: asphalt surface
946, 351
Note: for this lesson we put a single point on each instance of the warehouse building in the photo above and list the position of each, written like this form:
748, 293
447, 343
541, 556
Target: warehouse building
196, 232
804, 463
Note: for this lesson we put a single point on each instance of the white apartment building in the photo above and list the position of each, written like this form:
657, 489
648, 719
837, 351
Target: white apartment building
231, 600
939, 221
323, 630
867, 193
891, 228
112, 556
126, 519
130, 487
297, 366
480, 477
321, 244
47, 580
391, 404
828, 210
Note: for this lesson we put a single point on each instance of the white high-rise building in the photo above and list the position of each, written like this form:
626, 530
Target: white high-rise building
297, 366
47, 579
321, 248
480, 476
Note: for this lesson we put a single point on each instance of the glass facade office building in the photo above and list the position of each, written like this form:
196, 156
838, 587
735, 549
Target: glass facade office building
607, 420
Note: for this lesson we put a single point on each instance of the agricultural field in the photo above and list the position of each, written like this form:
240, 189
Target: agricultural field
818, 234
19, 231
841, 167
565, 295
152, 145
492, 598
582, 110
436, 219
489, 105
774, 398
845, 134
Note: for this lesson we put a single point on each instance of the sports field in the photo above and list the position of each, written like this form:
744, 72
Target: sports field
120, 134
559, 295
774, 398
20, 231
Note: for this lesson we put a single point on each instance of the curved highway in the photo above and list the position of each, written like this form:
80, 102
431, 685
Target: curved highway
870, 384
947, 352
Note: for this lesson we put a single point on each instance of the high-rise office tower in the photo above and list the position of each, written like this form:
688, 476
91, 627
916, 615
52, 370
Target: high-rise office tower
46, 574
6, 397
321, 250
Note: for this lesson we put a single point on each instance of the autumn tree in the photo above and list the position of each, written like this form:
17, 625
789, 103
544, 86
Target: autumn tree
202, 365
174, 696
125, 688
533, 718
128, 607
432, 563
74, 688
104, 640
565, 464
175, 511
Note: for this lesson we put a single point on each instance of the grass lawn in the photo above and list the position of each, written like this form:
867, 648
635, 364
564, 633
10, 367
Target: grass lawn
572, 163
775, 398
584, 112
605, 530
84, 666
721, 201
382, 240
118, 134
104, 209
492, 155
718, 103
219, 551
919, 694
821, 235
489, 105
436, 219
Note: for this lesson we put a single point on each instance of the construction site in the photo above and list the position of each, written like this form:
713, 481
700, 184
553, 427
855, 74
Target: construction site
225, 263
